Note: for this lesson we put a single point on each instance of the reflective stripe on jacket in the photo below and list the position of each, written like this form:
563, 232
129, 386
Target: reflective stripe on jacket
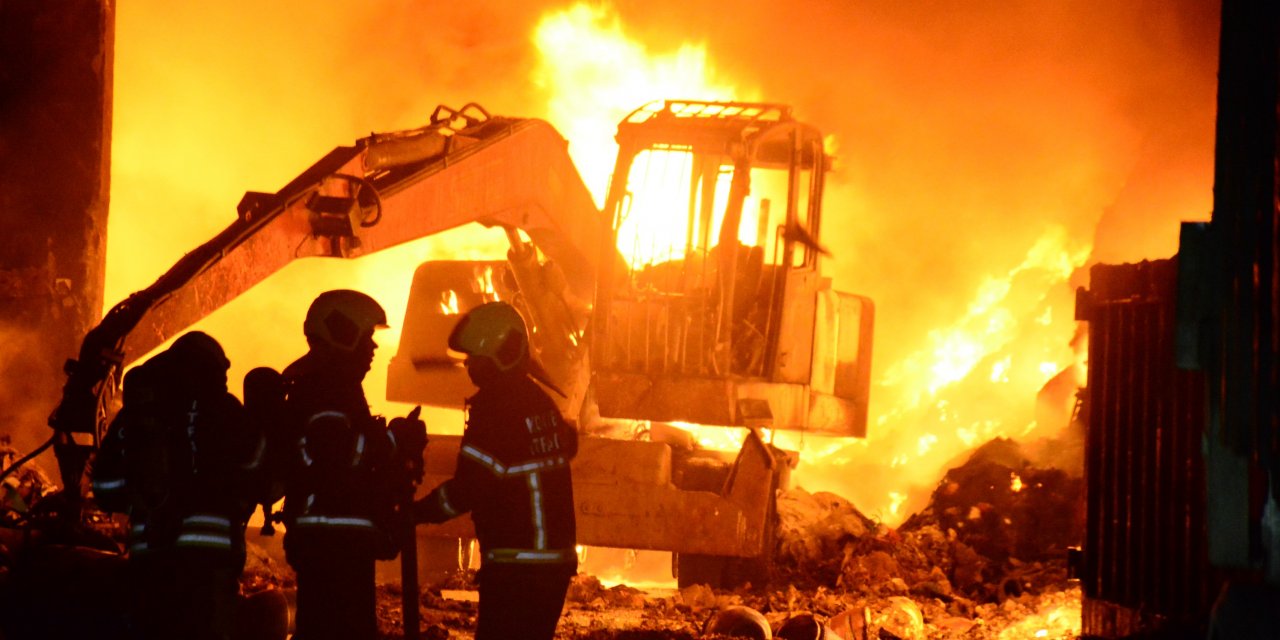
208, 531
340, 482
513, 476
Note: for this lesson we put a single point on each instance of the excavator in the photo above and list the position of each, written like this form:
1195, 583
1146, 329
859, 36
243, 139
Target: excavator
693, 298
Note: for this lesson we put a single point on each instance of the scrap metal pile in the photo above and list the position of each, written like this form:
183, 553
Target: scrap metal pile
985, 559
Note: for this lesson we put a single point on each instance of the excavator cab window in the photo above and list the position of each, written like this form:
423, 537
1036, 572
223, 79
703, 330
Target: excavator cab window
695, 287
672, 218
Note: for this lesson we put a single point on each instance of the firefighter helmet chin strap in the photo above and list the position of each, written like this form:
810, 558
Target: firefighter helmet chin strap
538, 373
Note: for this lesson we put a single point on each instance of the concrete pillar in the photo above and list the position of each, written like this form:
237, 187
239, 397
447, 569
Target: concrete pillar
55, 158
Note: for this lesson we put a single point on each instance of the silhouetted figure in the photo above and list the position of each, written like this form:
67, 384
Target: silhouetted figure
175, 459
513, 476
340, 492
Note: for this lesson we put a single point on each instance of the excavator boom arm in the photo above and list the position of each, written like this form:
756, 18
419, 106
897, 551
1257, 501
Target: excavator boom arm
385, 190
502, 172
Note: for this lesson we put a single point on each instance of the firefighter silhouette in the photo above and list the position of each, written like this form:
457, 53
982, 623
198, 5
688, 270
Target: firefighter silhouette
339, 509
176, 459
513, 477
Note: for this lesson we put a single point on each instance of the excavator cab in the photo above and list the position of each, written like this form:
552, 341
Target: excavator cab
718, 314
708, 307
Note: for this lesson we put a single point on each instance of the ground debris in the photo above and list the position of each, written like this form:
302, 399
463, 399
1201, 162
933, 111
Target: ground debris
23, 487
812, 529
986, 560
1054, 614
587, 591
996, 527
1003, 507
263, 572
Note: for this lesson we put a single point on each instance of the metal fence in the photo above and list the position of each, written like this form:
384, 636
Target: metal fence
1144, 565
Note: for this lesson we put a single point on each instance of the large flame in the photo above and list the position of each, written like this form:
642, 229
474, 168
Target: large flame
975, 377
594, 74
1012, 338
996, 315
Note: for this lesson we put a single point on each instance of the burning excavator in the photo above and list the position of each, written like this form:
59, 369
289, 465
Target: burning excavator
693, 297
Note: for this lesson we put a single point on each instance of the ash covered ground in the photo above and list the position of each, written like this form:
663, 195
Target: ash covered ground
986, 559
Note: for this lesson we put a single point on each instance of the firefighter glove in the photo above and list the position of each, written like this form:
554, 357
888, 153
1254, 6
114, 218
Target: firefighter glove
410, 434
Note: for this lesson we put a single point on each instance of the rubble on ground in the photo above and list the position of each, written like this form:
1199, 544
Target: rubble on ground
1003, 507
684, 614
985, 560
263, 572
996, 527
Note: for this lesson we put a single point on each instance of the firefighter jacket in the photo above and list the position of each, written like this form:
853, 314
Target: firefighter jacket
177, 460
340, 485
513, 476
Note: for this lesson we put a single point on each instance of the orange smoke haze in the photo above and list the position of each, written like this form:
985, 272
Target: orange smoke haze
986, 152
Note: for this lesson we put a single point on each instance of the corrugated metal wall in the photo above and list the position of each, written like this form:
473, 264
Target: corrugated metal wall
1144, 563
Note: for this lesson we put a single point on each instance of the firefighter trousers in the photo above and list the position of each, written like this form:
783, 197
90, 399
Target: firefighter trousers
185, 593
521, 600
336, 596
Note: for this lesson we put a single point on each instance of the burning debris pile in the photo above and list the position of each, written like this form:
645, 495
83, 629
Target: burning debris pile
985, 559
1005, 508
996, 527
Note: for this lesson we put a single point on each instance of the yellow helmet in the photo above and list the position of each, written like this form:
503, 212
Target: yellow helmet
342, 317
494, 331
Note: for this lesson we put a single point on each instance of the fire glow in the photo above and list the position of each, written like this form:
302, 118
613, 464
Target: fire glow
594, 74
1018, 322
966, 338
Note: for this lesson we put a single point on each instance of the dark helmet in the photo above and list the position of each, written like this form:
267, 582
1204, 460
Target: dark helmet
493, 331
200, 347
342, 318
197, 359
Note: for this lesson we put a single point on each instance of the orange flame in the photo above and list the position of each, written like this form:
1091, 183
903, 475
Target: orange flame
992, 321
974, 379
187, 139
1056, 615
449, 303
594, 74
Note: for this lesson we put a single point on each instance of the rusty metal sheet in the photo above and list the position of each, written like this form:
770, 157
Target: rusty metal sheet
1144, 562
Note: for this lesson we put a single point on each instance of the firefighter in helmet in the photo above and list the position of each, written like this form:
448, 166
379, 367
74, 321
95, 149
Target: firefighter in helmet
339, 492
513, 476
176, 459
